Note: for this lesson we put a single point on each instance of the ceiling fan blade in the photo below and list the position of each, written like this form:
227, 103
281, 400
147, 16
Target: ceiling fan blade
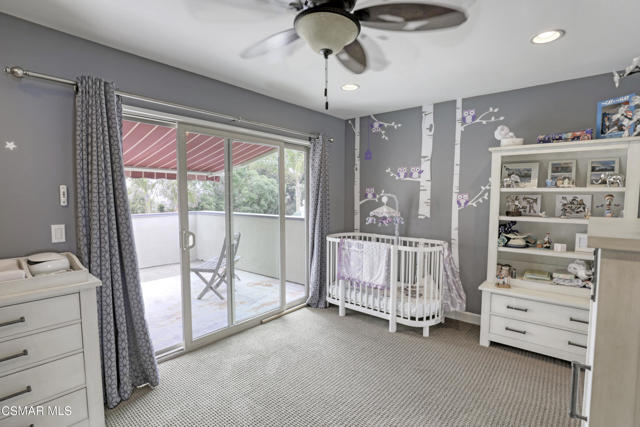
270, 43
376, 60
410, 17
353, 57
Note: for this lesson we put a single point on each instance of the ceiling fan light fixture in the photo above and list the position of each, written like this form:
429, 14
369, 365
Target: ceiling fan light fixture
547, 36
350, 87
326, 29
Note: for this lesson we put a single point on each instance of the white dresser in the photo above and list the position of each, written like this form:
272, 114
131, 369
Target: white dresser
544, 322
49, 351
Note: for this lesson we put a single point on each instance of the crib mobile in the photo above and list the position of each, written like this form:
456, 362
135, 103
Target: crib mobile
384, 215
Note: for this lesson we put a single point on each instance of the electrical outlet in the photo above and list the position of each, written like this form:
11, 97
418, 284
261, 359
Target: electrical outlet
58, 233
63, 195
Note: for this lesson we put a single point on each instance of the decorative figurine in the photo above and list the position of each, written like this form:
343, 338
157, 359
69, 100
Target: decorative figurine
615, 181
539, 244
550, 182
547, 243
506, 137
609, 206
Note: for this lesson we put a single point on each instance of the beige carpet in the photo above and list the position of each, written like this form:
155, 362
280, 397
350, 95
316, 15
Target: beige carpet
314, 368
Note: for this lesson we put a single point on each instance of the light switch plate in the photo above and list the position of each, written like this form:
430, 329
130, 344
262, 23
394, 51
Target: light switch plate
63, 195
58, 233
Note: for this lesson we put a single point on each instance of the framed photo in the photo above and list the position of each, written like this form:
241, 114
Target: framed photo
581, 243
562, 173
525, 204
520, 175
573, 205
600, 167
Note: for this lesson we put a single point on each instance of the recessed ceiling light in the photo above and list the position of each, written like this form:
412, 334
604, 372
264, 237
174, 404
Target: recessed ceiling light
547, 36
350, 87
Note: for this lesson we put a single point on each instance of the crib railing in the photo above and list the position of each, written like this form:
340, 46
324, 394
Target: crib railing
417, 266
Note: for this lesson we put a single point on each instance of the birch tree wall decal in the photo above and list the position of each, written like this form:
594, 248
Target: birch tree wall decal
428, 129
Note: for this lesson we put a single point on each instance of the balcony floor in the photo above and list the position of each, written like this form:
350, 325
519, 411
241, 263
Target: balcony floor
255, 295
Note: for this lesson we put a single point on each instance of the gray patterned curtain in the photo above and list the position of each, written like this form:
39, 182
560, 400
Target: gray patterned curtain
105, 241
318, 223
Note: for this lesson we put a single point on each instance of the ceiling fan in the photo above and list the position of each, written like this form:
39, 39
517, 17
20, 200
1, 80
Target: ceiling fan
333, 26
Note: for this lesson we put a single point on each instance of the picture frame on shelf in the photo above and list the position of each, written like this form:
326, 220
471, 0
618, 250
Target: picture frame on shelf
573, 205
520, 175
561, 173
525, 204
599, 169
581, 244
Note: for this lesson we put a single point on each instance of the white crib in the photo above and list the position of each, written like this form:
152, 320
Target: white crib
414, 297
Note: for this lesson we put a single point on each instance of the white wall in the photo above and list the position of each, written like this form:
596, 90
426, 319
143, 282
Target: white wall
157, 241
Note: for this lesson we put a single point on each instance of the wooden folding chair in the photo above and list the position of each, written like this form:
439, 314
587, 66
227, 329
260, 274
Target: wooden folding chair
217, 267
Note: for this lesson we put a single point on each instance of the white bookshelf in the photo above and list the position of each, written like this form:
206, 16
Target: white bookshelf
543, 299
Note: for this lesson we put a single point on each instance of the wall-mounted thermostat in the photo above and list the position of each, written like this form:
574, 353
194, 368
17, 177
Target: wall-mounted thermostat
63, 195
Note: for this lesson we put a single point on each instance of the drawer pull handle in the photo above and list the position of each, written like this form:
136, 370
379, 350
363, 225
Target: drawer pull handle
13, 322
575, 344
506, 328
510, 307
16, 394
573, 319
576, 367
14, 356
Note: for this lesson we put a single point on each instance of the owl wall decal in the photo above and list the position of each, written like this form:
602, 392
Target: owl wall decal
369, 193
468, 116
402, 173
415, 173
463, 200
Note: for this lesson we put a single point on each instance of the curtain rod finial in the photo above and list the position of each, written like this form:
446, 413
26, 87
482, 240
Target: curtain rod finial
15, 71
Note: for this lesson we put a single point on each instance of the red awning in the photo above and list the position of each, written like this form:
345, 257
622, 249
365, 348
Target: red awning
149, 151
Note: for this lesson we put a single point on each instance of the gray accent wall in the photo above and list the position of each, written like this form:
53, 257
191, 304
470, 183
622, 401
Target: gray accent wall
38, 116
558, 107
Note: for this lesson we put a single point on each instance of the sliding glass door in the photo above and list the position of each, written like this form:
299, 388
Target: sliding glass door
220, 226
240, 249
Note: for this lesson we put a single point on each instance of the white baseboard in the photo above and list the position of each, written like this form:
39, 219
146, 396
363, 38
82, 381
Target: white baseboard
464, 316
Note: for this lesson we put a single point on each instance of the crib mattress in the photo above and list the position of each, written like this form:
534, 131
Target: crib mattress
409, 307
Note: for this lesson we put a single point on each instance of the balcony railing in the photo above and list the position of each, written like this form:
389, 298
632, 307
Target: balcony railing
157, 241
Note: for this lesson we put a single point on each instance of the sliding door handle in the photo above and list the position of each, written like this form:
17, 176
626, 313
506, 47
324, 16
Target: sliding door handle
188, 240
576, 367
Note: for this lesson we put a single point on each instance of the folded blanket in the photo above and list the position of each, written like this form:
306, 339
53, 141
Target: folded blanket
365, 263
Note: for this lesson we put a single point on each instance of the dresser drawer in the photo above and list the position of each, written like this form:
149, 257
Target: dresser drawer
25, 351
22, 318
42, 382
73, 408
535, 311
566, 341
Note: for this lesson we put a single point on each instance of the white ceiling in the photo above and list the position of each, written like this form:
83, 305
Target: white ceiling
491, 52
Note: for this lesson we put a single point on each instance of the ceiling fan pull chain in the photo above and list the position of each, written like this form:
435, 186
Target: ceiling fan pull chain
326, 79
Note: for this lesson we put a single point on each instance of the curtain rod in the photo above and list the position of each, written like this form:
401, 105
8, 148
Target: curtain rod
20, 73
